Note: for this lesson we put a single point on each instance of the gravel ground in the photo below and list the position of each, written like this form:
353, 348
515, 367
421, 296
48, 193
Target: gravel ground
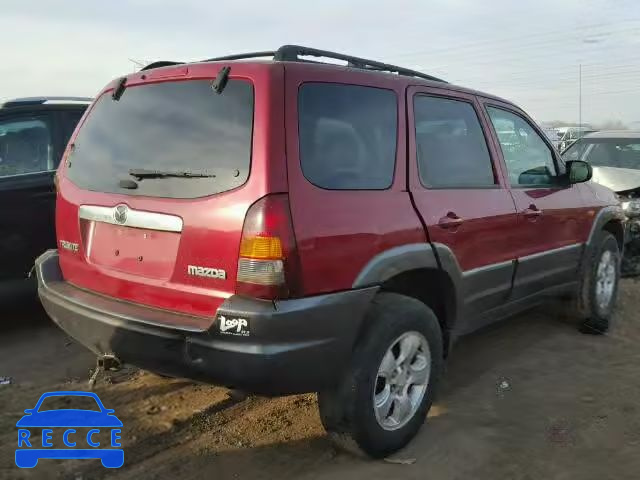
527, 399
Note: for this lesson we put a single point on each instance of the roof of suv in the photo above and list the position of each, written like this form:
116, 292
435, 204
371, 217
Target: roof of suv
30, 101
300, 54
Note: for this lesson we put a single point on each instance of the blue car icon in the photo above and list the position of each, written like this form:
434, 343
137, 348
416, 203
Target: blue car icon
69, 419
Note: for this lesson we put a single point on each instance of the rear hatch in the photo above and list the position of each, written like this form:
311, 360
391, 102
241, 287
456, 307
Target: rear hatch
156, 184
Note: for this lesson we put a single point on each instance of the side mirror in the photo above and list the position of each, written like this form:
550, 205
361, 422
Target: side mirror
579, 171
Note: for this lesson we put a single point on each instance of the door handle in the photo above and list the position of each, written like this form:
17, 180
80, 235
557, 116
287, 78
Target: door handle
450, 220
532, 212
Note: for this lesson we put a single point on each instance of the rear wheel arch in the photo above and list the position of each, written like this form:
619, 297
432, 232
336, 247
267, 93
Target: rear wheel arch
432, 287
426, 272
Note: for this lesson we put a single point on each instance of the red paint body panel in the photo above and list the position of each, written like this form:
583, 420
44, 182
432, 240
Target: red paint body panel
487, 233
148, 253
564, 219
212, 225
339, 231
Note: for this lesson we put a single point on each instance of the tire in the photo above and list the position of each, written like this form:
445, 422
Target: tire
348, 412
590, 309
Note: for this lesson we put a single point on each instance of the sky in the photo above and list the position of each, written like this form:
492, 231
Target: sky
529, 52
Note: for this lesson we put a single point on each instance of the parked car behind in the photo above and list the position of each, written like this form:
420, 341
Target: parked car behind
33, 135
615, 158
290, 226
568, 135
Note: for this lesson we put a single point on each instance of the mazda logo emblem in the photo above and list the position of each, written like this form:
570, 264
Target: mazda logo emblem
120, 214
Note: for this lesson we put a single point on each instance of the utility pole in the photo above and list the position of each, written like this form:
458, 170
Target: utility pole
580, 99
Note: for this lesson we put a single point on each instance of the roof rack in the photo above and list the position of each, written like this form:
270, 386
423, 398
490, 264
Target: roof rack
242, 56
160, 64
292, 53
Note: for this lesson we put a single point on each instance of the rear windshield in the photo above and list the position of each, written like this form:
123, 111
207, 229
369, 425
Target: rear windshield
171, 127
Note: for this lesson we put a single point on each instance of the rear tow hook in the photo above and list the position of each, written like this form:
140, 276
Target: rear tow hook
103, 363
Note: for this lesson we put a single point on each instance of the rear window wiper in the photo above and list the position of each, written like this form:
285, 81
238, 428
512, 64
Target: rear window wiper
140, 173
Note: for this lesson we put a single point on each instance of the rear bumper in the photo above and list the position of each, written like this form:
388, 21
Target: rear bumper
290, 346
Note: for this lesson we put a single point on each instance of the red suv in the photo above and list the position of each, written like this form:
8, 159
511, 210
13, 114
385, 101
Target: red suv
287, 225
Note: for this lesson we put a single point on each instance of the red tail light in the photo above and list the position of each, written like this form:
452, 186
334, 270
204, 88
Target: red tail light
268, 261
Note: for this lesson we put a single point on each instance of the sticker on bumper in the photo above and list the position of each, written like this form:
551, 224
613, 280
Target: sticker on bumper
234, 326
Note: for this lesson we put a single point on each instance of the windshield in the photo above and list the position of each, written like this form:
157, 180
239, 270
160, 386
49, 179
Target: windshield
606, 152
171, 126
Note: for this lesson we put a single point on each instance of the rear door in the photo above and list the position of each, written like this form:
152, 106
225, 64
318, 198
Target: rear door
459, 192
28, 153
552, 220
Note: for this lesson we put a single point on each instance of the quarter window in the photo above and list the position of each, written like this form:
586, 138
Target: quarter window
450, 146
347, 136
25, 146
528, 158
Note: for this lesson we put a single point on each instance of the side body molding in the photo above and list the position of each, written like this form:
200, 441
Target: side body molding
394, 261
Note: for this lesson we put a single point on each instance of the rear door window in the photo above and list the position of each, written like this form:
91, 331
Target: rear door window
347, 136
451, 148
170, 127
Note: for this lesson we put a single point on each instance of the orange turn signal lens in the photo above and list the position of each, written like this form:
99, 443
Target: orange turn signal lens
261, 248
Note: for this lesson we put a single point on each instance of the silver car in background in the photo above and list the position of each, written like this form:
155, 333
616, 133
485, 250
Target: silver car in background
615, 158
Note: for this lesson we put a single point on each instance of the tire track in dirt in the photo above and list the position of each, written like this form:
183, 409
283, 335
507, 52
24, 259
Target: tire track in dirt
257, 438
570, 411
180, 432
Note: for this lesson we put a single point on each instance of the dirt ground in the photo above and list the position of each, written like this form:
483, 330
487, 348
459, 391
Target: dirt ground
527, 399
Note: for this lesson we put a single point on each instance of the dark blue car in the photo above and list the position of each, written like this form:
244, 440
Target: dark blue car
69, 419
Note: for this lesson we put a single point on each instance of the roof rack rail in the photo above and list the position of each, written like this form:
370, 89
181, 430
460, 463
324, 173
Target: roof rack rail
160, 64
242, 56
292, 53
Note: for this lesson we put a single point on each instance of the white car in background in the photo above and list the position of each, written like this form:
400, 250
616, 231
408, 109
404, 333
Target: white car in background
615, 159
